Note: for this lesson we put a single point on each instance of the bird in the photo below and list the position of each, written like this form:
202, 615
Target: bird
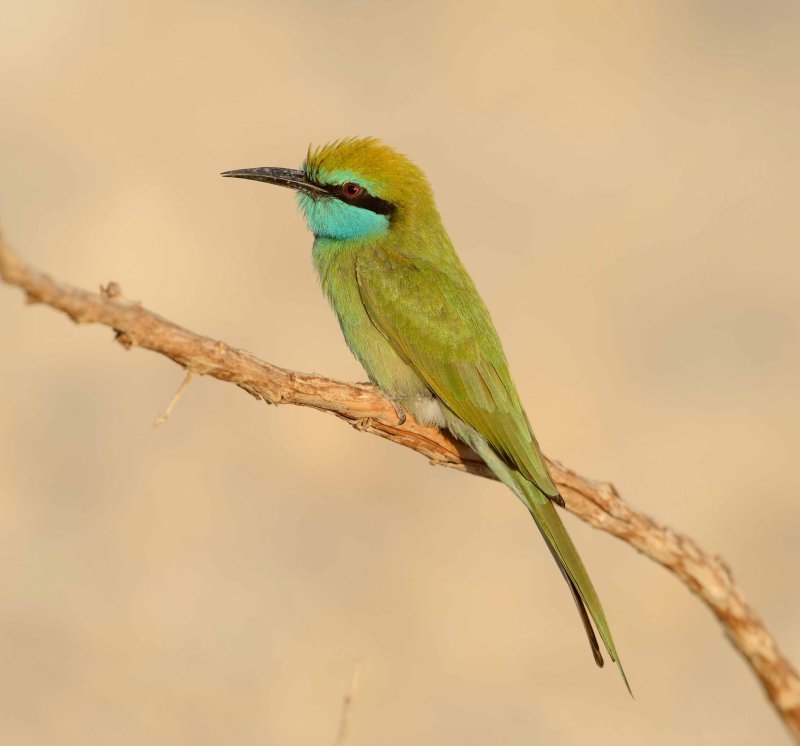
411, 315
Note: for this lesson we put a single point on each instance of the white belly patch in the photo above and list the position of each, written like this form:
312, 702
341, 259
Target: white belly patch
427, 410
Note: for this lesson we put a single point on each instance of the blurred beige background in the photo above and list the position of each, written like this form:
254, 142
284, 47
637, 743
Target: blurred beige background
621, 179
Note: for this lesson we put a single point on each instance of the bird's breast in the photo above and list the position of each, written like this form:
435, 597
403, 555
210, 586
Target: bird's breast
335, 262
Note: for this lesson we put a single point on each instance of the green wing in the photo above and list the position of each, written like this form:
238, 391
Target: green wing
438, 324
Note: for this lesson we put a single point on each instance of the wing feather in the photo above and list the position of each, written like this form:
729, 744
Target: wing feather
438, 324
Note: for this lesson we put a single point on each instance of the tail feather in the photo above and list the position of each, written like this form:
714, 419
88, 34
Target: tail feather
576, 596
572, 567
556, 538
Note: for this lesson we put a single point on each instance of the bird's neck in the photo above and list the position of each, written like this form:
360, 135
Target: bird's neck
425, 240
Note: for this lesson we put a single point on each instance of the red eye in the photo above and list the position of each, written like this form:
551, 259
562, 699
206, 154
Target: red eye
351, 189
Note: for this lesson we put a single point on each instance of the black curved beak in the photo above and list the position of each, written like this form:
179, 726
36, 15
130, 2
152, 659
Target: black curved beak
287, 177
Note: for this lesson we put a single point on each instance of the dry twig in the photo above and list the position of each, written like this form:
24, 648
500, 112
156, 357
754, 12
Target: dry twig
347, 706
164, 416
365, 408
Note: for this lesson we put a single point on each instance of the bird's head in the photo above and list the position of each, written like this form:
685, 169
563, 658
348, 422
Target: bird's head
352, 189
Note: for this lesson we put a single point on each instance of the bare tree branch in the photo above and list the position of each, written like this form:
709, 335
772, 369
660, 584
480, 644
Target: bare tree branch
365, 408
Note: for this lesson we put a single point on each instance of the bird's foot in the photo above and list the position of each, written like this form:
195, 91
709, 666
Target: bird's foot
399, 410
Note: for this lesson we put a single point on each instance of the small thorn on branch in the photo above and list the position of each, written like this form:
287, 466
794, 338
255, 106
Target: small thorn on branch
112, 290
254, 392
125, 339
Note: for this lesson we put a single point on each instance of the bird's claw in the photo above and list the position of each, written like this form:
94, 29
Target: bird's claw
399, 411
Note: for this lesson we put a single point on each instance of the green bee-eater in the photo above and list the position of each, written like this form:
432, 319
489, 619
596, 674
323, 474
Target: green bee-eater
411, 315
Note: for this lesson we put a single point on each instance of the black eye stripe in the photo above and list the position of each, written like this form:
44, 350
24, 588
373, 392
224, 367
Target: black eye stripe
364, 199
370, 202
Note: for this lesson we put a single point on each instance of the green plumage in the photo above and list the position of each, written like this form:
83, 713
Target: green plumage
412, 316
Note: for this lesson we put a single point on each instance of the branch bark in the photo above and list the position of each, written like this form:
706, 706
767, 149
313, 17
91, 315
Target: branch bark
366, 409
